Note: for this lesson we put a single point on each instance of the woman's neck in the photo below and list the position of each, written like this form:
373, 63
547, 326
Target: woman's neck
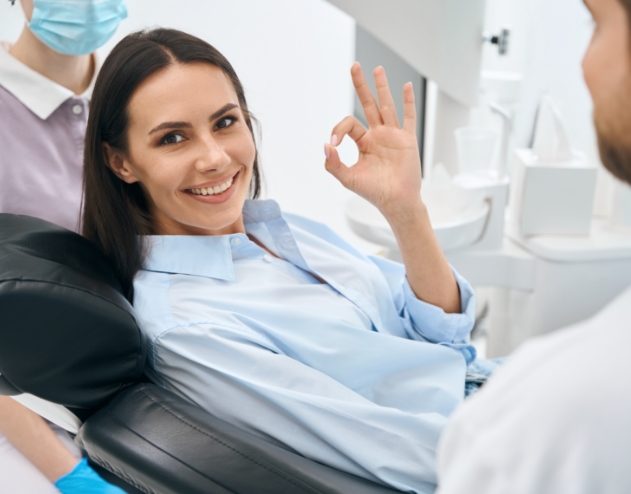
70, 71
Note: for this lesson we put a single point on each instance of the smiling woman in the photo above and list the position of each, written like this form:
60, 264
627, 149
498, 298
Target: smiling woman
181, 165
173, 124
268, 320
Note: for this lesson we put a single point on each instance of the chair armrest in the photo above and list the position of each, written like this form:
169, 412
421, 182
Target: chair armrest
163, 444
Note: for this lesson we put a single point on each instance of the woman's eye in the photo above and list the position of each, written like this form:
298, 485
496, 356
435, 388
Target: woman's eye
172, 139
226, 122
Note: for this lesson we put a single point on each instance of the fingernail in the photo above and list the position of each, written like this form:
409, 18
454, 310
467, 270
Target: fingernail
334, 140
327, 152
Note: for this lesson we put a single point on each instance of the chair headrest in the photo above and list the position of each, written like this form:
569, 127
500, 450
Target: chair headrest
67, 333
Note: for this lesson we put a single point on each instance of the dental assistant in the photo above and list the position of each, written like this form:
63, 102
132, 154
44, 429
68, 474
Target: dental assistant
45, 83
46, 78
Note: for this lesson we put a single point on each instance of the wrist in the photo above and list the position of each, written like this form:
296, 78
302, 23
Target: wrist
407, 215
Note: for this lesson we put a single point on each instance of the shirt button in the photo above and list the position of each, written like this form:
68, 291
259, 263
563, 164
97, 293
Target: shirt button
267, 258
235, 241
77, 109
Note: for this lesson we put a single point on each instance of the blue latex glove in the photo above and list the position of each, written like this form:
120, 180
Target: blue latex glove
84, 480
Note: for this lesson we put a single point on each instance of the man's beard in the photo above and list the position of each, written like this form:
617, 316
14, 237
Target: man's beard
613, 127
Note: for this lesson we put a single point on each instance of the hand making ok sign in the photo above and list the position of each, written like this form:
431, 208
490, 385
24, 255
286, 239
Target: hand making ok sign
388, 171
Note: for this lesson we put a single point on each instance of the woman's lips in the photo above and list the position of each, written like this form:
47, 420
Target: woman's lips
215, 198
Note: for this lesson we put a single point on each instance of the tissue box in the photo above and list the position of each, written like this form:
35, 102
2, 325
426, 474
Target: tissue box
552, 197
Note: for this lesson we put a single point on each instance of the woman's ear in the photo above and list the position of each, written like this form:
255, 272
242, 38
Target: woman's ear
118, 164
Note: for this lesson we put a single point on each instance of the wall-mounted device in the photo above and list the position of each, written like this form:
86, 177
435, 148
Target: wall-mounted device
502, 40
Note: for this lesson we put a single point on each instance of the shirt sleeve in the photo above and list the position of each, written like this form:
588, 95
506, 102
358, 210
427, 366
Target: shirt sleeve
428, 322
245, 380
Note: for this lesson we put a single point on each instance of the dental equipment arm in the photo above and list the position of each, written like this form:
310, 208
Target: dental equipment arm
388, 174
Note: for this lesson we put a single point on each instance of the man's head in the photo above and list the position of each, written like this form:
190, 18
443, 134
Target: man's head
607, 71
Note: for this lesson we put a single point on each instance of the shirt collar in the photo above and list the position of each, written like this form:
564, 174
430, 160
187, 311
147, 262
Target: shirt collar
207, 255
194, 255
38, 93
260, 211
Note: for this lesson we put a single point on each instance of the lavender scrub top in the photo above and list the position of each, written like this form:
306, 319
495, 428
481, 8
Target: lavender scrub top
42, 127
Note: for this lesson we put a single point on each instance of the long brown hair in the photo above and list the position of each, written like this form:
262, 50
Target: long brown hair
115, 214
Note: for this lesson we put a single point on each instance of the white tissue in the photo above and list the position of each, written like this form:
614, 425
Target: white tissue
551, 144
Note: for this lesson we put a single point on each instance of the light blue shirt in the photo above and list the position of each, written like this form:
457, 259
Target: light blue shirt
355, 373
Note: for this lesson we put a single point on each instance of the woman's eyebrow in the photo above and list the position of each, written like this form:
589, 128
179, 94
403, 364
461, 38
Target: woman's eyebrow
170, 125
180, 125
222, 110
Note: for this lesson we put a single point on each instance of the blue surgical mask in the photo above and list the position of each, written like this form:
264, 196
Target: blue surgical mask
76, 27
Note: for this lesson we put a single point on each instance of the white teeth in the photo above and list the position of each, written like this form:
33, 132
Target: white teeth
212, 190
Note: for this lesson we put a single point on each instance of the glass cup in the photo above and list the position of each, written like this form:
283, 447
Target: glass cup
476, 149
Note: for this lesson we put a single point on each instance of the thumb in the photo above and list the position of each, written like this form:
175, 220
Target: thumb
335, 167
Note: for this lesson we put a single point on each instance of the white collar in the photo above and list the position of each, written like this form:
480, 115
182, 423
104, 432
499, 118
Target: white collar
38, 93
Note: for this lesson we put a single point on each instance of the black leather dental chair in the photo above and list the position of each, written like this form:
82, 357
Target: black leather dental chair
69, 339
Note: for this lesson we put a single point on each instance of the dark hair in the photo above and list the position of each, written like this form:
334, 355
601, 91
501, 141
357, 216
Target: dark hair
115, 214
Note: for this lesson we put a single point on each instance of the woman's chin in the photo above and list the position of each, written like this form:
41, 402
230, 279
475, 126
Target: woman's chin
225, 222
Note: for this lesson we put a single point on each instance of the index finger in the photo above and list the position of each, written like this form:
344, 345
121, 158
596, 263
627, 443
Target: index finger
366, 98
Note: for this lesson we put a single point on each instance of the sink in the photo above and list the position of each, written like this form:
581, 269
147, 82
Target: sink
455, 228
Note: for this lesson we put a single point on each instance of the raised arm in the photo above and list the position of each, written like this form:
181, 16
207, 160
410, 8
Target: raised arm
388, 174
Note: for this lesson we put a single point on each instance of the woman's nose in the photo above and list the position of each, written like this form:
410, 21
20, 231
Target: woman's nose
212, 156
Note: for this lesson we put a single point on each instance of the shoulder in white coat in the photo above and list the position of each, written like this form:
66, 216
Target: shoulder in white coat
555, 420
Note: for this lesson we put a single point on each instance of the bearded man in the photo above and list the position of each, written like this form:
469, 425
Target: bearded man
556, 419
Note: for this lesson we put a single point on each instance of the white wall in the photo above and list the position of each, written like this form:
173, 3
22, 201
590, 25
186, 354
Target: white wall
11, 20
293, 57
549, 38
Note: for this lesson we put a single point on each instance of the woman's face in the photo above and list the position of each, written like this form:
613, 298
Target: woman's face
190, 149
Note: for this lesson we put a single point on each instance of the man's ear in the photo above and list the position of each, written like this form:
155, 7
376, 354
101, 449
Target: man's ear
118, 164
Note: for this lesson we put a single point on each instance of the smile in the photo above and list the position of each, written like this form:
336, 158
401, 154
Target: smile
215, 194
208, 191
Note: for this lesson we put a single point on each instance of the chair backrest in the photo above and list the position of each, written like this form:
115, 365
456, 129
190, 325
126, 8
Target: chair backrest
67, 333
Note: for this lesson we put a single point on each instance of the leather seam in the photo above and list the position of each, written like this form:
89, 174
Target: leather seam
121, 474
122, 424
271, 470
